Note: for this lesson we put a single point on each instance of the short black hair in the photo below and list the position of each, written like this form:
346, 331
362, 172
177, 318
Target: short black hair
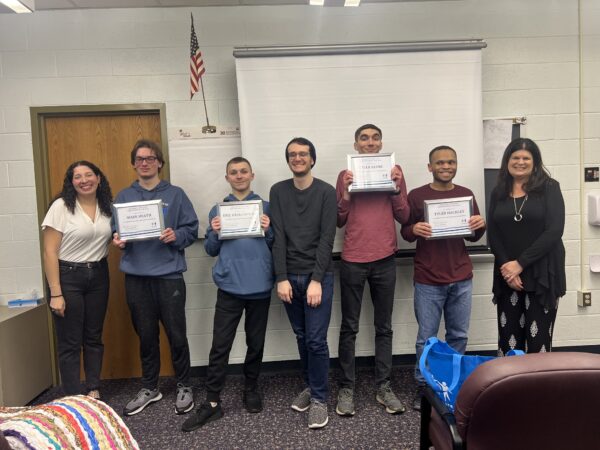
237, 160
367, 126
147, 143
441, 147
302, 141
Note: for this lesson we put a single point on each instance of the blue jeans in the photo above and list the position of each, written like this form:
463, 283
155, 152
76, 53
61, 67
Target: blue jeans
454, 300
381, 276
310, 326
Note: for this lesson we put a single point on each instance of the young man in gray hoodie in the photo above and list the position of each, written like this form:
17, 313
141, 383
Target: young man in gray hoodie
154, 284
243, 274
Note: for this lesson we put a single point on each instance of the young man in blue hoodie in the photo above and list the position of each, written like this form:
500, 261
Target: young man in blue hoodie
244, 275
154, 284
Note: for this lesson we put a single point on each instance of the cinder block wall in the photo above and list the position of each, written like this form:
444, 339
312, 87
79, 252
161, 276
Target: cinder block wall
540, 62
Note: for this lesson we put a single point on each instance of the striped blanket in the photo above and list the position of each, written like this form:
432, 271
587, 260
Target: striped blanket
77, 422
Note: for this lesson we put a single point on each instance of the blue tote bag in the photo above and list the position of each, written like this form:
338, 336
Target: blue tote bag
445, 369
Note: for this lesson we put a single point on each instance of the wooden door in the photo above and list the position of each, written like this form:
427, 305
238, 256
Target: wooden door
107, 140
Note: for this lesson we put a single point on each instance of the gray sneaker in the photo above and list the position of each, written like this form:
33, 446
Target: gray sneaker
142, 399
317, 414
185, 399
387, 398
302, 401
345, 402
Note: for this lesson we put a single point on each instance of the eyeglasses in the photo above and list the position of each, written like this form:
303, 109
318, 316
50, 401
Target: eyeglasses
149, 159
293, 155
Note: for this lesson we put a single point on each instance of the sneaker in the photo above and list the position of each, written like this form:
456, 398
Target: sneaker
95, 394
203, 415
253, 401
387, 398
417, 400
317, 414
345, 402
302, 401
142, 399
184, 402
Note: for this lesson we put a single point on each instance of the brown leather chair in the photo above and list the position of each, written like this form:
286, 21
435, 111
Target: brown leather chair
543, 401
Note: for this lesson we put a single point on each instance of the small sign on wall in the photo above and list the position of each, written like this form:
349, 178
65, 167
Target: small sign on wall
591, 174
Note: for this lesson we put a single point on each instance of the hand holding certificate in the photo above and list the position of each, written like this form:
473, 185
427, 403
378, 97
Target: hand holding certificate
139, 220
371, 172
240, 219
449, 217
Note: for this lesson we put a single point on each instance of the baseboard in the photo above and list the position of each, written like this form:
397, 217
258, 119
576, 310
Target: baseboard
408, 360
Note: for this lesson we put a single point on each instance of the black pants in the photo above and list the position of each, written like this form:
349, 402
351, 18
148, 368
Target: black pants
381, 276
524, 324
228, 312
152, 300
85, 291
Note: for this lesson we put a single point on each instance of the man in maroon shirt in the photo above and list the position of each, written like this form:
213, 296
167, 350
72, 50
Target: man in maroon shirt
368, 255
443, 270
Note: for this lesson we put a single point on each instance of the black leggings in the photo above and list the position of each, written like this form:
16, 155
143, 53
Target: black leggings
524, 324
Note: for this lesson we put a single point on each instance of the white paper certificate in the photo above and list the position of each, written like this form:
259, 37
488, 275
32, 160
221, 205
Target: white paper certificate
449, 217
240, 219
139, 220
371, 172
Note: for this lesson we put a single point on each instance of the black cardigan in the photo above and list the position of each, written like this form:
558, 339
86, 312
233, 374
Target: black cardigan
535, 243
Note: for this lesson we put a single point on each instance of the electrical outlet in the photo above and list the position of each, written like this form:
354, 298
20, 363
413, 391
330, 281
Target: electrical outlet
584, 298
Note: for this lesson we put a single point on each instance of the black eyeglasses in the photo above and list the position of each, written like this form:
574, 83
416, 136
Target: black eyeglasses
292, 155
148, 159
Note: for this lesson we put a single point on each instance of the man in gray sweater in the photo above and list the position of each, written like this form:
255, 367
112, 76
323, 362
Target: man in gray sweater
303, 216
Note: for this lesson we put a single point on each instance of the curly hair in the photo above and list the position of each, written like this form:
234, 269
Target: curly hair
69, 194
538, 178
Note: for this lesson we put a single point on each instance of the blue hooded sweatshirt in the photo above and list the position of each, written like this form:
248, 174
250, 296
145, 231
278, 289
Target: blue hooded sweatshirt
152, 258
245, 265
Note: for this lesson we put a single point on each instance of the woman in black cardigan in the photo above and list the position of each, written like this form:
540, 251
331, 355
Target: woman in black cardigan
526, 219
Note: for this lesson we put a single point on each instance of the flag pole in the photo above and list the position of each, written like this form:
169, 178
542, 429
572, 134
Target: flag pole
208, 128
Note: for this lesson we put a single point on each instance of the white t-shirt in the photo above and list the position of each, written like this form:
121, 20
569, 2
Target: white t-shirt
82, 240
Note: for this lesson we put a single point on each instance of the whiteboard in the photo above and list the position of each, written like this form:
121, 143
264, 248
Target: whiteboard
420, 99
198, 167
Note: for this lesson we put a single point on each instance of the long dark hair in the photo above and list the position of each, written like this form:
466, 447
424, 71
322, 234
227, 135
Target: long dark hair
69, 194
539, 175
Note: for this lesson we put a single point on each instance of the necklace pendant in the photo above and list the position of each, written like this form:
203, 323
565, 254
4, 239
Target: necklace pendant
518, 217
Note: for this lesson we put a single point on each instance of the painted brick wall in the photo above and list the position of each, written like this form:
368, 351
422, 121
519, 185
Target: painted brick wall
533, 66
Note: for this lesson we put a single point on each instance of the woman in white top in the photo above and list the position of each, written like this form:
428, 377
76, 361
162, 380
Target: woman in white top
76, 232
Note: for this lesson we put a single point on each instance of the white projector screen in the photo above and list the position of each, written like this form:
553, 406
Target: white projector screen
420, 94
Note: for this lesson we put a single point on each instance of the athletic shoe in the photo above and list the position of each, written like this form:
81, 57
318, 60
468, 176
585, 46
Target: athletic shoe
142, 399
345, 402
302, 401
203, 415
317, 414
387, 398
418, 396
253, 401
184, 402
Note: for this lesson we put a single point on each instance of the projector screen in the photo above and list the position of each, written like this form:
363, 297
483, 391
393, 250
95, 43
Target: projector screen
420, 94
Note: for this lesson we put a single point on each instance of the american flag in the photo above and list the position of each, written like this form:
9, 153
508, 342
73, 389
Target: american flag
196, 63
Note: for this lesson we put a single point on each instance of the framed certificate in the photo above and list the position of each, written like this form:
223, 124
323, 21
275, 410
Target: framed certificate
240, 219
371, 172
449, 217
139, 220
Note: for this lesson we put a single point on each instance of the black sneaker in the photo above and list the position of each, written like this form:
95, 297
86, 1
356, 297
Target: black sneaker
203, 415
253, 401
417, 400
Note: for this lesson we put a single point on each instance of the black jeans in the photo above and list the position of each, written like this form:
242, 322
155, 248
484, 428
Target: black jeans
228, 312
85, 290
381, 276
150, 300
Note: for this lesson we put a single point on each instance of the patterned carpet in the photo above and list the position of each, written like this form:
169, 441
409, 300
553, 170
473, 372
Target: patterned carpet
278, 426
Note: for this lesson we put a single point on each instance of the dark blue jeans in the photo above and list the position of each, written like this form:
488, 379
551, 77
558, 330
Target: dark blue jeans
150, 300
85, 291
381, 275
310, 326
228, 312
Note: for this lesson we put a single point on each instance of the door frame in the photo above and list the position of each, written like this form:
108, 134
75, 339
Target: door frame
38, 115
